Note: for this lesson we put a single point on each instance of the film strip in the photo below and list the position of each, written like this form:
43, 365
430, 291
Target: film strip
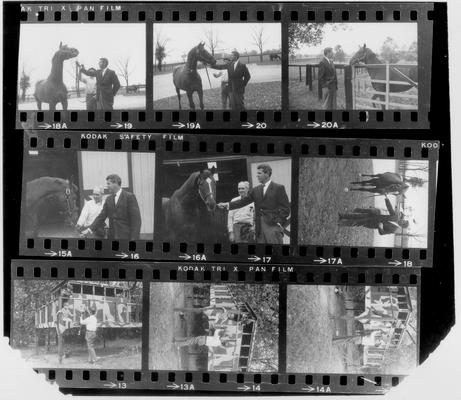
156, 326
233, 198
301, 66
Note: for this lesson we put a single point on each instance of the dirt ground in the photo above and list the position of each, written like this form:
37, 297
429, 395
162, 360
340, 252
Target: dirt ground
322, 197
123, 353
258, 96
310, 331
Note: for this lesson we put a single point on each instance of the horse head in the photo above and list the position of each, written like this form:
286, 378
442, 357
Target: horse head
203, 55
362, 56
66, 201
207, 189
65, 52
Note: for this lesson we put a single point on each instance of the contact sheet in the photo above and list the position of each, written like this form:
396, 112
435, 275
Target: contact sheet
325, 201
155, 324
178, 219
235, 66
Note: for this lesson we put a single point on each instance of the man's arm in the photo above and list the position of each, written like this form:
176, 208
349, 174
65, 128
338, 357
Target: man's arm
219, 67
284, 205
242, 202
89, 73
83, 216
101, 218
230, 221
115, 84
389, 207
135, 217
321, 76
246, 75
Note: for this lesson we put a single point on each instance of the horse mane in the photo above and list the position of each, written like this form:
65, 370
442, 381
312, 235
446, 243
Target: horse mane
190, 61
187, 185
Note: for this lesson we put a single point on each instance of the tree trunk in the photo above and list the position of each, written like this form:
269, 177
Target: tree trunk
261, 56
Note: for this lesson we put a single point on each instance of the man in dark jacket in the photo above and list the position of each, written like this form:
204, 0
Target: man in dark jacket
328, 80
122, 209
272, 207
372, 218
238, 76
107, 84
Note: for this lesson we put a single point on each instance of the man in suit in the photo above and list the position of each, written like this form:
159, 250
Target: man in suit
328, 80
372, 218
238, 77
107, 84
272, 207
122, 209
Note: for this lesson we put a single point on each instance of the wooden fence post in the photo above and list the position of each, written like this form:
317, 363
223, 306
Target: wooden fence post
348, 86
300, 77
309, 76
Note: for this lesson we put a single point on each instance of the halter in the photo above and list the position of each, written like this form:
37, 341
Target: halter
208, 180
68, 197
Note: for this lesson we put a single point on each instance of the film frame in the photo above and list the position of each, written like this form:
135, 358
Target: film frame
171, 146
420, 13
199, 381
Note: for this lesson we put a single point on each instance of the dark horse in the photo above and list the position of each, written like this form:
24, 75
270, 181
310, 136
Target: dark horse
52, 89
274, 57
407, 74
187, 213
186, 77
386, 183
58, 195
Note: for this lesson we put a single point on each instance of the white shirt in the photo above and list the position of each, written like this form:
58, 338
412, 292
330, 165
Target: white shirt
240, 215
103, 71
90, 84
117, 196
266, 185
329, 61
235, 64
90, 211
215, 340
91, 323
370, 340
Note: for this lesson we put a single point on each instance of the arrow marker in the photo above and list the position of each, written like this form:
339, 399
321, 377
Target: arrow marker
186, 257
244, 388
179, 125
118, 125
314, 125
247, 125
369, 380
396, 263
173, 386
46, 126
321, 260
122, 255
308, 389
51, 253
254, 258
111, 385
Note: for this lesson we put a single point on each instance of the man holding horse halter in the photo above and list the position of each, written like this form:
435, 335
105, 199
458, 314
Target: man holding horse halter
240, 222
107, 84
328, 80
122, 209
238, 77
272, 207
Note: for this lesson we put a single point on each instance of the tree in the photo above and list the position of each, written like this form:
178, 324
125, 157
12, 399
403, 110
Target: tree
123, 66
339, 54
160, 49
212, 39
299, 34
259, 39
24, 83
389, 51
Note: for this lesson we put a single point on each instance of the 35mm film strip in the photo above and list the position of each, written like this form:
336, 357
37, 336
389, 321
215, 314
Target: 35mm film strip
131, 325
229, 198
214, 65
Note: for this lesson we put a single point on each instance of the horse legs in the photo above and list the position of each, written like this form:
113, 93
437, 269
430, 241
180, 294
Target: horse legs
64, 104
191, 100
200, 96
179, 97
39, 105
52, 106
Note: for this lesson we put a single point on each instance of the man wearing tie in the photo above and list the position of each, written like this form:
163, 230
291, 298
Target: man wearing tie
107, 84
238, 76
272, 207
122, 209
328, 80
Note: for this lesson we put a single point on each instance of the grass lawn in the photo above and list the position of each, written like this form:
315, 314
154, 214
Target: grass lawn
322, 197
258, 96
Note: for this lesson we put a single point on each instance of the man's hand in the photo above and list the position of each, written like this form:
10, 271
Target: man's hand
231, 237
223, 206
381, 226
86, 232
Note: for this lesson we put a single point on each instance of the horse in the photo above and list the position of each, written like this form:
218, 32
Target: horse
386, 183
52, 89
186, 77
187, 212
57, 194
367, 56
274, 57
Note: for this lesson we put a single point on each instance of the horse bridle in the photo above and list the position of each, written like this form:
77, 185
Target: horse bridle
208, 180
68, 196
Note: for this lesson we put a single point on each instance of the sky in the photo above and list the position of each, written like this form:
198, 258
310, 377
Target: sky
39, 42
183, 37
352, 35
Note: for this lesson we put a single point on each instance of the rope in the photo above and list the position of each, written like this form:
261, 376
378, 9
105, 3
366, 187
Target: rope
209, 81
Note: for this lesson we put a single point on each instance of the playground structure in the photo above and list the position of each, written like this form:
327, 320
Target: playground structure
356, 79
241, 332
394, 327
114, 306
